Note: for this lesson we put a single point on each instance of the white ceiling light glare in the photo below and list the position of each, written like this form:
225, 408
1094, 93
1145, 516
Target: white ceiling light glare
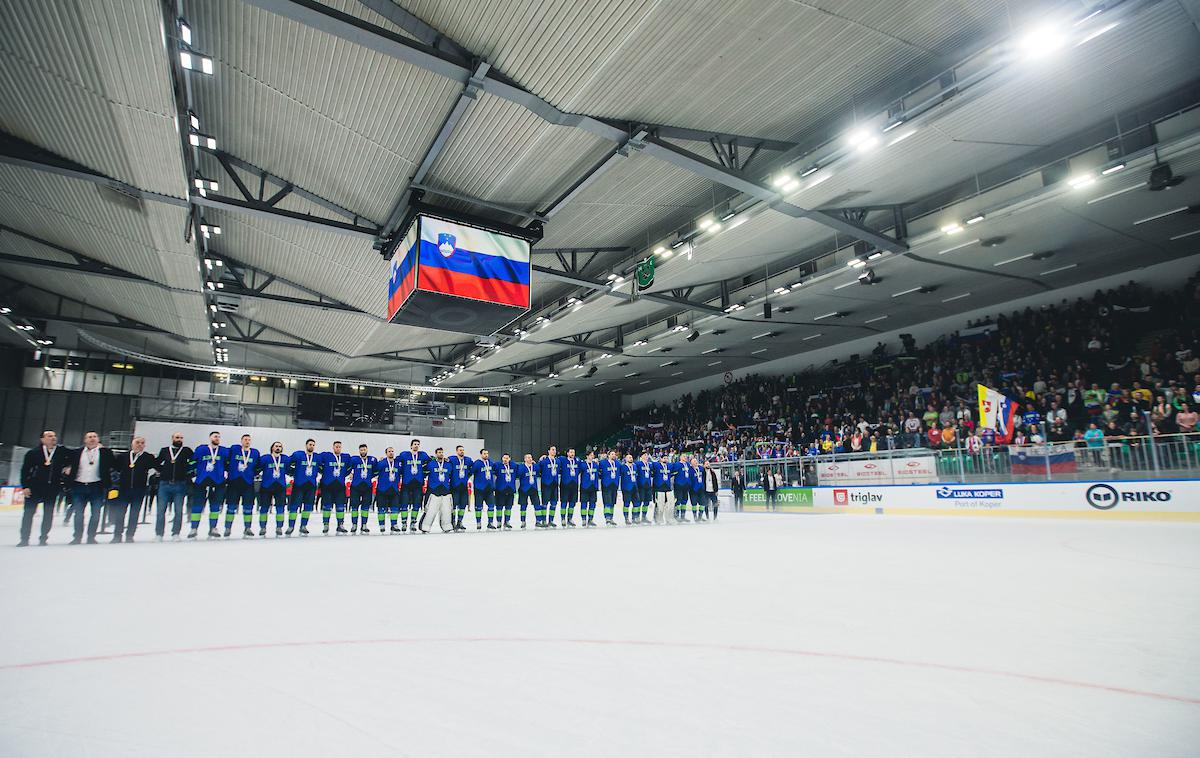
956, 297
1081, 181
781, 290
856, 263
1113, 169
185, 32
952, 228
908, 291
901, 137
975, 219
812, 337
1067, 267
1040, 42
706, 223
862, 140
1096, 33
873, 320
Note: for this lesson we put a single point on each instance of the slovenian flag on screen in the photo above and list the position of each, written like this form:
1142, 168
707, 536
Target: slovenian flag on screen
472, 263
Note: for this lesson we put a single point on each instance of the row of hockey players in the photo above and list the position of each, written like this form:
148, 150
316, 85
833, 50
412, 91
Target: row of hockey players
414, 491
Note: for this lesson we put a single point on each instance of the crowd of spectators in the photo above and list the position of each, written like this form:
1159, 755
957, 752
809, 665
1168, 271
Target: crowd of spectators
1117, 364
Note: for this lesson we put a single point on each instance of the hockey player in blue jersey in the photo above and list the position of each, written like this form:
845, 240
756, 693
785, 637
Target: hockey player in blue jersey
412, 486
335, 465
527, 491
361, 489
568, 487
589, 484
387, 490
550, 474
462, 469
610, 482
483, 489
644, 489
681, 481
505, 491
272, 488
211, 464
660, 474
304, 470
697, 496
243, 465
628, 488
439, 506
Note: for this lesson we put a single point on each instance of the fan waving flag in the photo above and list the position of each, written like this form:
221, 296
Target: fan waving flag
996, 413
472, 263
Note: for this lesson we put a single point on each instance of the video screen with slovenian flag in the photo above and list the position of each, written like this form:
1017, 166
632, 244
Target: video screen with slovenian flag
456, 260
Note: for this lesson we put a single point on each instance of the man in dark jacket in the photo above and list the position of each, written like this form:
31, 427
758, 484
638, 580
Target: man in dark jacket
42, 479
738, 485
133, 479
174, 481
89, 476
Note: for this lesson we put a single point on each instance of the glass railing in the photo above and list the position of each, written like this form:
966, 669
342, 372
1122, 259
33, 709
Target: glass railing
1170, 456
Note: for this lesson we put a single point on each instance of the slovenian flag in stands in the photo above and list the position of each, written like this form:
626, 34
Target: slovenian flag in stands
1036, 459
472, 263
996, 413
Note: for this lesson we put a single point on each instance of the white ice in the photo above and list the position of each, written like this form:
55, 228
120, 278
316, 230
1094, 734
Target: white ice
759, 635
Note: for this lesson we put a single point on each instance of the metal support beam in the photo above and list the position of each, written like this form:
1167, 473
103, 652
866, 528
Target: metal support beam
610, 161
721, 175
263, 210
526, 215
17, 152
470, 92
228, 159
580, 345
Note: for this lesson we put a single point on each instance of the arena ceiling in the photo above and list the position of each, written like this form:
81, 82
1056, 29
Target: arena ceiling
620, 127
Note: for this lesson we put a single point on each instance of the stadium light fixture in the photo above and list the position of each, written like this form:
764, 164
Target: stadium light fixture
812, 336
873, 320
875, 255
710, 350
707, 223
660, 250
760, 350
952, 228
898, 122
202, 140
856, 263
781, 180
795, 285
194, 121
1113, 169
185, 32
789, 187
814, 168
763, 334
639, 343
4, 311
1081, 181
728, 215
901, 137
956, 297
196, 62
831, 314
908, 291
781, 290
974, 219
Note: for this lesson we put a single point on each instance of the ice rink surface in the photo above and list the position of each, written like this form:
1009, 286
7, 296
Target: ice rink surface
759, 635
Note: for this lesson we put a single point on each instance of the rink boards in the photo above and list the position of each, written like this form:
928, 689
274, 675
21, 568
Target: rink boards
1156, 500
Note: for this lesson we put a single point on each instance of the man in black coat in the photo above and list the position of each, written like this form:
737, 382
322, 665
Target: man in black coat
89, 476
42, 479
132, 476
174, 481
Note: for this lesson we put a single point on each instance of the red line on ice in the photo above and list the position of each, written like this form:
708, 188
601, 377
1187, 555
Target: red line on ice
617, 643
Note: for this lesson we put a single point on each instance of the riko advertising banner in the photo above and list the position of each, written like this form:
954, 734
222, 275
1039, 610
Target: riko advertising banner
1171, 499
915, 469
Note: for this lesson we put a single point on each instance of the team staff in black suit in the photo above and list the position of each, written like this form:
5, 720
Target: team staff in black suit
42, 479
89, 476
132, 479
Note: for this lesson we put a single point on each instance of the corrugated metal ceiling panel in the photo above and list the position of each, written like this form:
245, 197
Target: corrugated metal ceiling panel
179, 313
638, 194
504, 153
778, 66
263, 107
97, 223
90, 81
342, 266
